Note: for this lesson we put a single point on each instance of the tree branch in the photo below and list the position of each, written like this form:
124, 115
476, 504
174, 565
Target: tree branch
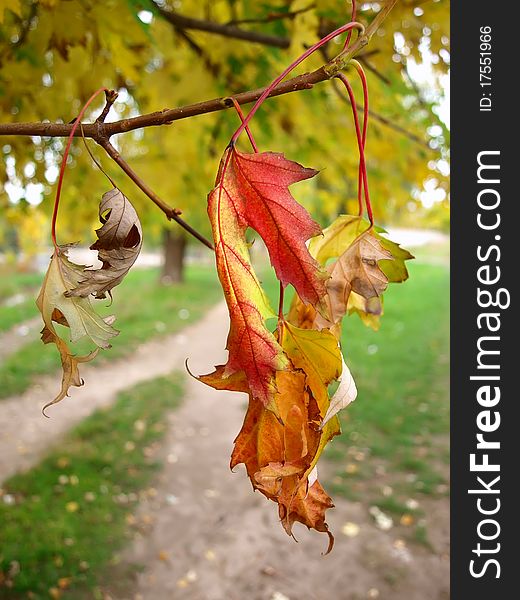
231, 31
274, 16
101, 132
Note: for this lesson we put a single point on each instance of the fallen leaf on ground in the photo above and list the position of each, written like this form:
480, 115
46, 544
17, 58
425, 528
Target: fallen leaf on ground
350, 529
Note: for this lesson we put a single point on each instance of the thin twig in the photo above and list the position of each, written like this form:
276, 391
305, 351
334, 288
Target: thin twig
111, 97
100, 130
171, 213
163, 117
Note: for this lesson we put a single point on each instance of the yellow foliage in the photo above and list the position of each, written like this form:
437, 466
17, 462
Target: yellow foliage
77, 46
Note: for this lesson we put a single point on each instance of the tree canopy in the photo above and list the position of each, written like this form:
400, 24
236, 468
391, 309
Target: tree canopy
163, 53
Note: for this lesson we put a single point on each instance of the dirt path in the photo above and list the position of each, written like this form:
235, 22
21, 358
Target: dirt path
204, 535
26, 434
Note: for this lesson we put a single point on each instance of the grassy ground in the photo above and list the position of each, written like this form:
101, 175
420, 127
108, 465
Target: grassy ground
392, 455
16, 313
62, 521
143, 309
17, 293
16, 283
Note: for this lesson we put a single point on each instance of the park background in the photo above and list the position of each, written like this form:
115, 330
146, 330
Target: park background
125, 492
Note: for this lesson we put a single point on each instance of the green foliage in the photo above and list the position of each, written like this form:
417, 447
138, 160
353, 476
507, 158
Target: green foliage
73, 47
68, 514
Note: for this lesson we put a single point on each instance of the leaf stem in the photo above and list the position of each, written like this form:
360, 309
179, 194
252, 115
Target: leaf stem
362, 75
352, 18
64, 164
359, 137
293, 65
280, 302
111, 97
242, 118
366, 109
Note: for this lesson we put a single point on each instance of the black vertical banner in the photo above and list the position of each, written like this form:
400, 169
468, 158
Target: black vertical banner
485, 448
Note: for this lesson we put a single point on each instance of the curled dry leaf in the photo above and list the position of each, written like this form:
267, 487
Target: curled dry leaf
76, 313
64, 296
285, 374
361, 263
120, 239
357, 270
280, 453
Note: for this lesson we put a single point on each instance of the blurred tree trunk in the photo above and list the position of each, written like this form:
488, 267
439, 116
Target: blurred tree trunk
174, 253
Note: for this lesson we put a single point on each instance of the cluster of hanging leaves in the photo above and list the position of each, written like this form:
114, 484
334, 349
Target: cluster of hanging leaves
65, 294
295, 375
287, 373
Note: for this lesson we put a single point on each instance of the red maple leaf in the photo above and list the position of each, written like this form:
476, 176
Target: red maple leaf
252, 191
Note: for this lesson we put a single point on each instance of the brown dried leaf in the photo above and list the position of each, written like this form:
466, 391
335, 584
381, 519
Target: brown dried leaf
279, 452
306, 505
69, 364
357, 270
119, 242
363, 263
